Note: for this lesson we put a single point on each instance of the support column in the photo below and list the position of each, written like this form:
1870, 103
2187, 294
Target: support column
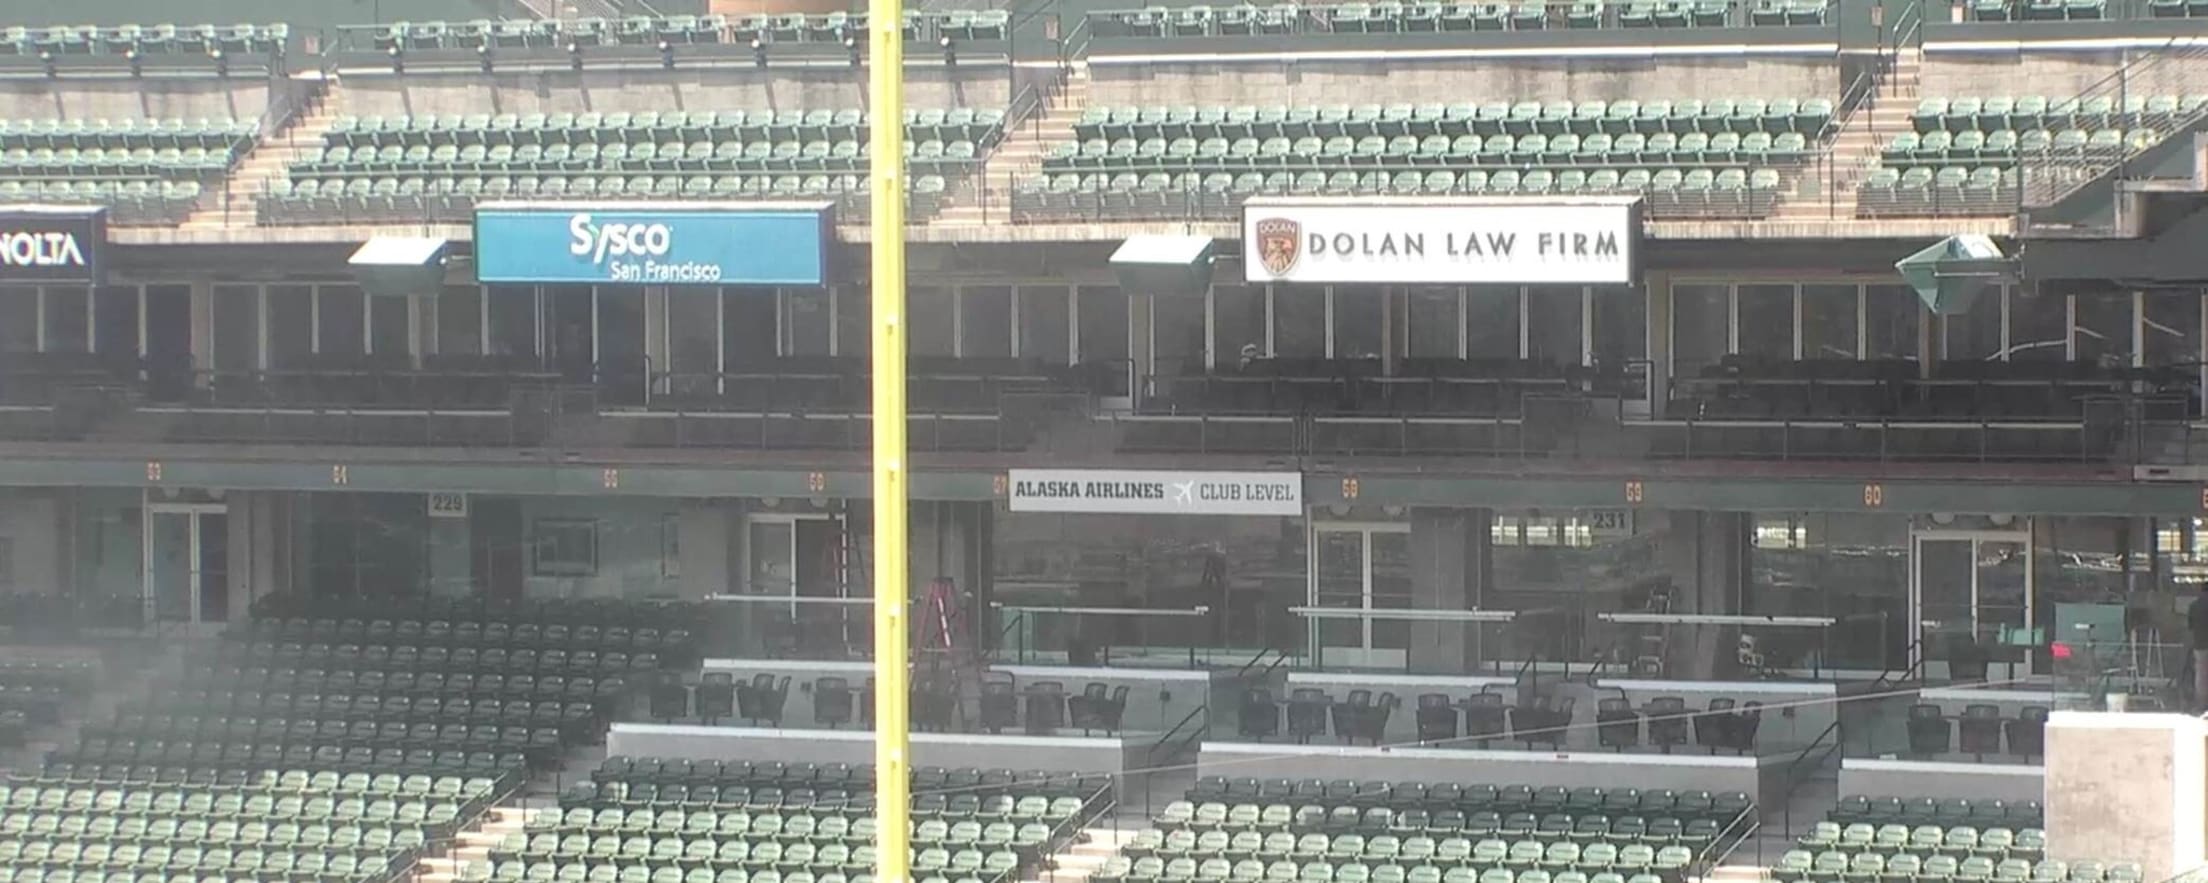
259, 543
706, 531
1705, 557
2129, 786
1451, 562
451, 556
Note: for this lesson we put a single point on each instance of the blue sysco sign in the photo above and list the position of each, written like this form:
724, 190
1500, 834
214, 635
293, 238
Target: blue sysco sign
687, 243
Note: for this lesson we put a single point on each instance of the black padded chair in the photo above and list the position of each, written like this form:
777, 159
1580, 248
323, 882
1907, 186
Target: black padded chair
1371, 724
1486, 718
670, 699
1260, 715
1348, 715
1437, 718
1713, 729
2028, 732
1930, 732
1667, 722
1746, 723
1046, 708
762, 700
1979, 731
1000, 709
1307, 711
1617, 725
716, 696
1097, 709
831, 702
1543, 721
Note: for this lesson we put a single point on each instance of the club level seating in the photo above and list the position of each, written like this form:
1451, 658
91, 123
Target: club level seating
714, 822
1914, 811
2043, 10
716, 128
308, 617
448, 199
1251, 831
32, 615
1389, 17
294, 825
145, 39
1888, 839
978, 24
148, 171
1693, 157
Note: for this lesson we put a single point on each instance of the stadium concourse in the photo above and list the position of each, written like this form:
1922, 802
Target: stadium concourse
1549, 441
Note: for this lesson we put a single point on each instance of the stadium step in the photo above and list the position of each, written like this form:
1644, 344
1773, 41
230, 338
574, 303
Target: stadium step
1735, 874
1087, 854
978, 201
269, 159
473, 846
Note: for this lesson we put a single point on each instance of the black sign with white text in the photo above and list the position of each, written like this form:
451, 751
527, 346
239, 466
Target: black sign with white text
52, 244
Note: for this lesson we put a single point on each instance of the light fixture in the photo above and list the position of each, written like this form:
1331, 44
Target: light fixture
950, 52
137, 68
222, 61
758, 52
483, 56
398, 59
666, 55
851, 45
47, 57
575, 56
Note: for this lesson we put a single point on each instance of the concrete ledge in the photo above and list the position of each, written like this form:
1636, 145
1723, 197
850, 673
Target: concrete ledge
1758, 776
1933, 778
1157, 698
1116, 756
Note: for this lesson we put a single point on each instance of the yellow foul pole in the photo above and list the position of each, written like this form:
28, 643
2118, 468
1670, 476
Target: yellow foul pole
892, 583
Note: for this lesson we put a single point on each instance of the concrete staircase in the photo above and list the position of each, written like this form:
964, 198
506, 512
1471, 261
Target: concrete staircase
1735, 874
269, 159
1830, 193
473, 846
986, 200
1084, 857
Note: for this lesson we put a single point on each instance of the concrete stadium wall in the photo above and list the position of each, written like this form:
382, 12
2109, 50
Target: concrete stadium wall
1454, 80
1124, 757
2054, 74
151, 98
608, 91
1917, 778
2130, 787
1759, 777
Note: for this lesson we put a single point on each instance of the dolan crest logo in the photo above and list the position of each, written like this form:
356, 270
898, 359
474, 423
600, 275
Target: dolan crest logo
1279, 244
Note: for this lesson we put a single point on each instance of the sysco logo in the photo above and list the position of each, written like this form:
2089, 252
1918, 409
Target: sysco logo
40, 249
616, 240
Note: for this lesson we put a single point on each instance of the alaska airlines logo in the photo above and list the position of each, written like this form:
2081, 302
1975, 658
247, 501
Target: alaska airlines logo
617, 240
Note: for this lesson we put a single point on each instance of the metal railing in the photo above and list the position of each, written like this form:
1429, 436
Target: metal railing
1801, 759
2056, 171
1360, 18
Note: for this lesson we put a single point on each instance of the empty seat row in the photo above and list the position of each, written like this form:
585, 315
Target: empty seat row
42, 793
1956, 840
118, 162
1701, 191
1969, 145
1945, 190
1913, 811
670, 158
2026, 112
393, 199
39, 862
1566, 849
2038, 10
175, 132
331, 616
133, 202
1391, 17
1584, 117
308, 636
1433, 150
623, 127
961, 24
1188, 870
145, 39
1831, 866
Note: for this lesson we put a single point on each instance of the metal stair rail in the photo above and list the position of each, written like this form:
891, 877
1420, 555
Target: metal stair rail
2053, 173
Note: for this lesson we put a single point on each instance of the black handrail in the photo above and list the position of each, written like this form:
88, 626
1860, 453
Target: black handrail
1794, 775
1729, 838
1890, 679
1194, 734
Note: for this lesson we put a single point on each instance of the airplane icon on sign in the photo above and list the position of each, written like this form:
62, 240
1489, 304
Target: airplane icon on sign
1184, 492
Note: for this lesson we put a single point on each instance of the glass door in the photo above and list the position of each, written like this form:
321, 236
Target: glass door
186, 564
1970, 595
1361, 570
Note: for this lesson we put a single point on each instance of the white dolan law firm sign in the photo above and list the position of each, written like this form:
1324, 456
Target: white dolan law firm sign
1588, 241
1155, 493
